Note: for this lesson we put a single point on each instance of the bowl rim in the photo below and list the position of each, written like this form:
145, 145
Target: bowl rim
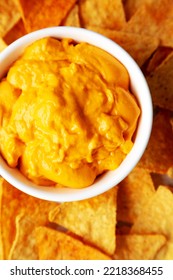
137, 80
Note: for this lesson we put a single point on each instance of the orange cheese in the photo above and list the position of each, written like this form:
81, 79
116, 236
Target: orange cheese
66, 113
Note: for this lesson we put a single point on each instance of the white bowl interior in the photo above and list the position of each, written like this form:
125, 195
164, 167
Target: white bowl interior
139, 88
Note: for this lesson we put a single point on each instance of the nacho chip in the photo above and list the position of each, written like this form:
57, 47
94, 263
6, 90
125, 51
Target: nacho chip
133, 195
2, 45
165, 33
19, 202
158, 57
161, 84
93, 219
17, 31
131, 6
157, 215
72, 18
24, 245
56, 245
170, 172
138, 247
166, 252
140, 48
9, 15
150, 17
40, 14
103, 13
158, 157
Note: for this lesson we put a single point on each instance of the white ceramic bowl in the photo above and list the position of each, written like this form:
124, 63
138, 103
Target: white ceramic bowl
139, 88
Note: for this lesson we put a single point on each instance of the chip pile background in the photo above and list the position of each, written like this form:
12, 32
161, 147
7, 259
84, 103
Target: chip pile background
134, 220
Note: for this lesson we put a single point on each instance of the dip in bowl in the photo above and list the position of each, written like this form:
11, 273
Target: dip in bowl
101, 138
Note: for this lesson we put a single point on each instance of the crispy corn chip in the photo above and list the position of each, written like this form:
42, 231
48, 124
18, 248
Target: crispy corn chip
2, 45
72, 18
133, 195
157, 215
138, 247
9, 15
150, 18
140, 48
131, 6
39, 14
56, 245
17, 31
103, 13
18, 202
158, 155
161, 84
24, 245
93, 219
170, 172
165, 33
158, 57
166, 252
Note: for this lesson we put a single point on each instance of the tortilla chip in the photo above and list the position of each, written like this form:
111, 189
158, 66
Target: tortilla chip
56, 245
103, 13
157, 215
19, 202
166, 252
93, 219
39, 14
24, 245
150, 17
131, 6
140, 48
9, 15
162, 179
138, 247
161, 84
17, 31
158, 157
133, 195
158, 57
165, 33
72, 18
2, 45
170, 172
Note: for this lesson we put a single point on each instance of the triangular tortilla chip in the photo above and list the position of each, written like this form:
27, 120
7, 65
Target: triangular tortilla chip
24, 245
133, 194
9, 15
56, 245
157, 215
140, 48
158, 157
157, 58
15, 202
131, 6
138, 247
17, 31
39, 14
103, 13
150, 17
72, 18
161, 84
2, 45
93, 219
166, 252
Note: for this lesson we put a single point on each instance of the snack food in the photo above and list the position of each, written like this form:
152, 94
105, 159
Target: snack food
67, 113
143, 220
